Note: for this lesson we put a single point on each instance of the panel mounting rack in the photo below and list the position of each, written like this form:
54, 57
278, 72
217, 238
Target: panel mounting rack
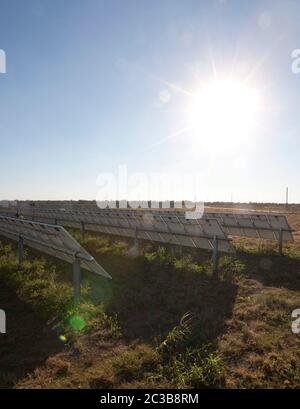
52, 240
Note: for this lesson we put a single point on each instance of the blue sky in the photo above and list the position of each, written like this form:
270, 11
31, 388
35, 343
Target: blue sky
92, 85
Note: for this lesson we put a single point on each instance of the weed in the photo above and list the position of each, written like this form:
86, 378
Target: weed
187, 264
176, 337
231, 268
195, 368
160, 257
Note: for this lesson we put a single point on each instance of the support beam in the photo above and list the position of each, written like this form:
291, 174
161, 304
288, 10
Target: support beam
21, 250
82, 230
280, 242
76, 280
215, 258
136, 242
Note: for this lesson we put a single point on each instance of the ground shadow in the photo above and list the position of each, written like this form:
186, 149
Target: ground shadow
272, 270
150, 299
28, 342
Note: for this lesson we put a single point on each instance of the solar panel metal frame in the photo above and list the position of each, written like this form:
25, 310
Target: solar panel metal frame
51, 239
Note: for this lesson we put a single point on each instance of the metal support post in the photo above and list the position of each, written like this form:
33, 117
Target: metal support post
21, 250
136, 242
280, 241
76, 280
215, 257
82, 230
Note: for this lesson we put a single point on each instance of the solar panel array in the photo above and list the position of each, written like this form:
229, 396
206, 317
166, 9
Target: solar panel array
72, 214
166, 226
50, 239
163, 227
263, 226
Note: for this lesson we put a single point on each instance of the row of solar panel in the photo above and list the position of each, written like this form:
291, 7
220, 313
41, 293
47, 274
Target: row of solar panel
164, 228
246, 225
199, 236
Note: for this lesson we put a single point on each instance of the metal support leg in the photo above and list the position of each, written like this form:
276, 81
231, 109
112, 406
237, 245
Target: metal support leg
134, 250
280, 240
76, 280
215, 258
136, 241
82, 230
21, 250
136, 246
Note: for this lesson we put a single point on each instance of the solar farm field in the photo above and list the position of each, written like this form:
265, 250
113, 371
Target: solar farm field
164, 320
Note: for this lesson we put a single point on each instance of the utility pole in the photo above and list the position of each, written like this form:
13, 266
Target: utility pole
286, 197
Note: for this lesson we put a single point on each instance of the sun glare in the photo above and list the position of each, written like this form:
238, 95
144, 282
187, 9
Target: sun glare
223, 115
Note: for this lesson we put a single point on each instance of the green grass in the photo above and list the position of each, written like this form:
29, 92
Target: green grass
48, 290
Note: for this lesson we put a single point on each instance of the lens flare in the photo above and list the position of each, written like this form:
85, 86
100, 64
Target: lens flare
77, 323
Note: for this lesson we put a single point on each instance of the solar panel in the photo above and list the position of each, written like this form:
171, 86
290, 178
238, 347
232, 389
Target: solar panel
263, 226
50, 239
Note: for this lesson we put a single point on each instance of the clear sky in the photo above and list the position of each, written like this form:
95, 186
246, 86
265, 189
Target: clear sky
92, 85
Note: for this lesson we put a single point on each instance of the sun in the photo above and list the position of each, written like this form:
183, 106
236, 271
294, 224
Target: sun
223, 114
